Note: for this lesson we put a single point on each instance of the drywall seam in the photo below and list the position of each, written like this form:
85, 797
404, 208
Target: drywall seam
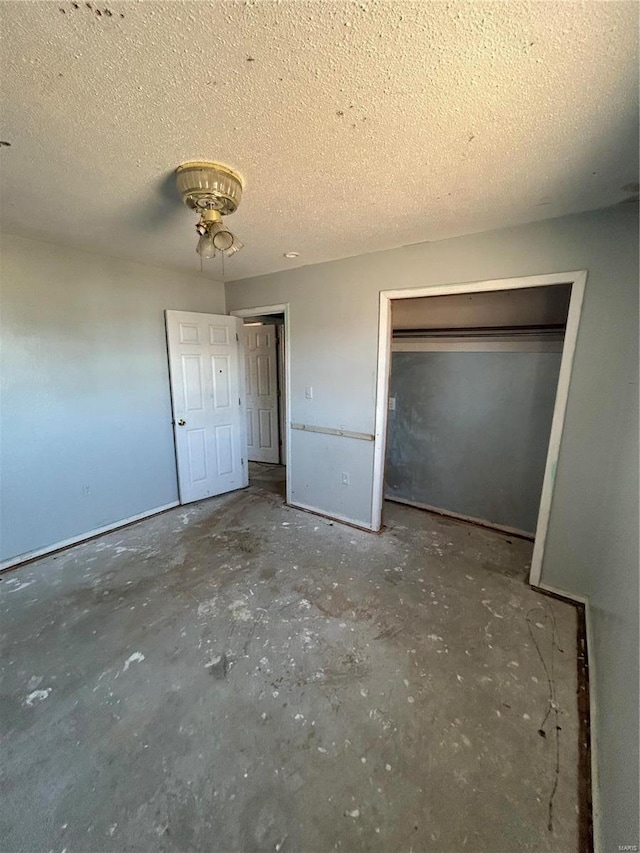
90, 534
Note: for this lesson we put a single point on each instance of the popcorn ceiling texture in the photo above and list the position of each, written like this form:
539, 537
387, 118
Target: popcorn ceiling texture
357, 126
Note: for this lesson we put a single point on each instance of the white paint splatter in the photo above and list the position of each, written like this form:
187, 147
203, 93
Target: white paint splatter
37, 696
240, 611
354, 814
207, 608
20, 586
486, 603
136, 657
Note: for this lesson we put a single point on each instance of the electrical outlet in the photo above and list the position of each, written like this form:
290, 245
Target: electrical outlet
308, 392
346, 478
392, 404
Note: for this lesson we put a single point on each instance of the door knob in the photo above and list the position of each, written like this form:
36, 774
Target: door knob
181, 422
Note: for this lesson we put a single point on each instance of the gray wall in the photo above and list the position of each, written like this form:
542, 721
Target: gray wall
592, 546
470, 432
85, 392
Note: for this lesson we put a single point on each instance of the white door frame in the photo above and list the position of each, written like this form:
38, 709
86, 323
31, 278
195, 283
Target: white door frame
286, 427
577, 279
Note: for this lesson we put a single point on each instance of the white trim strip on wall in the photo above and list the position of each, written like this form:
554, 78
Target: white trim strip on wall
90, 534
363, 436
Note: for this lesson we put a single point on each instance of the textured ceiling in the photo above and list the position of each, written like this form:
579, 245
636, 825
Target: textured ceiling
357, 126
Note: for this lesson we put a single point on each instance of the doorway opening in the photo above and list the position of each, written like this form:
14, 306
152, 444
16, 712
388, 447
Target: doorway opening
472, 389
265, 341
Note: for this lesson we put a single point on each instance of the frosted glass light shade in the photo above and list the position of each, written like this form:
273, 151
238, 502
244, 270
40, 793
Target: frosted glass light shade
235, 247
222, 238
206, 248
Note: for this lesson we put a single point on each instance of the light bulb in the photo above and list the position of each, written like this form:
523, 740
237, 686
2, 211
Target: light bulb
206, 248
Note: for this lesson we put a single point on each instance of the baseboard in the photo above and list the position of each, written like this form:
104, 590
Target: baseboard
468, 519
90, 534
593, 714
561, 593
583, 600
335, 517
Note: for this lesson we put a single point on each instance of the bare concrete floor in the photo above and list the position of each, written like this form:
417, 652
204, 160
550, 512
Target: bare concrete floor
241, 676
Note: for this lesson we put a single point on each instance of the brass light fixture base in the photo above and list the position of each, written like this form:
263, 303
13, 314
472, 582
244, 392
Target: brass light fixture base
206, 185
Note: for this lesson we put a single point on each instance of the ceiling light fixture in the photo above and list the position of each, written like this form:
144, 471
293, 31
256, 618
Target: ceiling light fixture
292, 255
213, 191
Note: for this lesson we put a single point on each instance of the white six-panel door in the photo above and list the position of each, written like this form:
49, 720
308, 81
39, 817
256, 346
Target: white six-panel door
261, 380
207, 391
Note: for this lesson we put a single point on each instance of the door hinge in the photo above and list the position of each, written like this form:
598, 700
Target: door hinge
241, 461
239, 401
237, 338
